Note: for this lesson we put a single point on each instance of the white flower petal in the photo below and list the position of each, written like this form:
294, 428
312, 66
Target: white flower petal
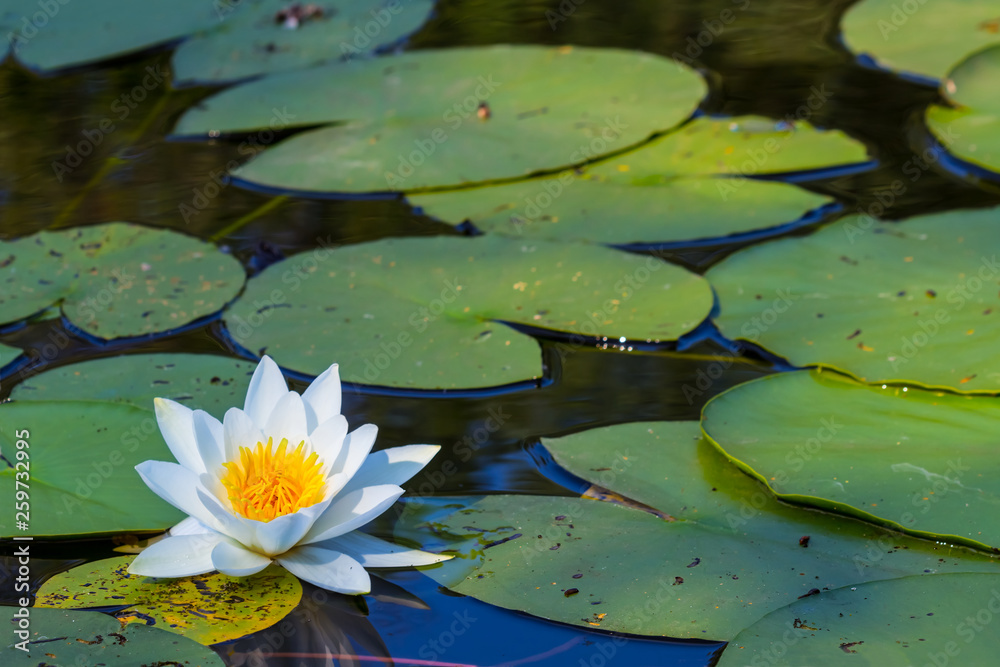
328, 439
327, 569
181, 488
190, 526
235, 561
288, 421
177, 426
281, 534
239, 431
322, 397
267, 387
357, 444
211, 440
180, 556
395, 465
374, 552
352, 511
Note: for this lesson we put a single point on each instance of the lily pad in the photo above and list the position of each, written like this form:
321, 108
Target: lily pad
229, 39
920, 37
733, 555
207, 382
915, 301
972, 130
50, 36
116, 279
427, 312
267, 36
914, 460
207, 608
425, 119
936, 620
60, 638
660, 192
81, 457
8, 354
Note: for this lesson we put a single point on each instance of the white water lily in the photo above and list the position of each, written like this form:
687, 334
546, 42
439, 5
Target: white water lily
279, 481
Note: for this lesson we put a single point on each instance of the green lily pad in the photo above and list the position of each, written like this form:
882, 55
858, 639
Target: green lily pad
915, 301
972, 130
414, 121
263, 36
427, 312
81, 457
914, 460
229, 39
658, 192
53, 35
8, 354
116, 279
732, 556
207, 382
207, 608
934, 621
917, 36
59, 638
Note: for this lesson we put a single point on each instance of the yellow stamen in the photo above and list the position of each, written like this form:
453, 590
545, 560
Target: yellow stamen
266, 483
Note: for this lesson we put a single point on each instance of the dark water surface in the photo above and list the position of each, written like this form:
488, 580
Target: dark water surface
770, 59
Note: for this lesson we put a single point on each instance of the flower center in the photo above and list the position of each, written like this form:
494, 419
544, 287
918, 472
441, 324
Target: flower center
267, 483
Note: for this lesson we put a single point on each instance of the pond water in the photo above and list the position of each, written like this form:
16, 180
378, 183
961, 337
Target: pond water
770, 60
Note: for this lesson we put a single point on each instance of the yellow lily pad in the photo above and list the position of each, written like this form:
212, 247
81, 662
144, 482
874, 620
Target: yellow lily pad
209, 608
